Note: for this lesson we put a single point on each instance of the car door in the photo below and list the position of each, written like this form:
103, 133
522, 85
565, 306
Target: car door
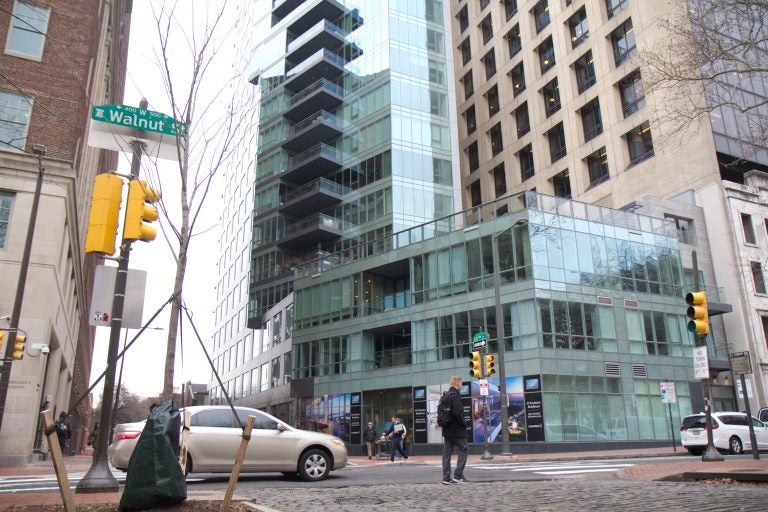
213, 440
270, 449
761, 434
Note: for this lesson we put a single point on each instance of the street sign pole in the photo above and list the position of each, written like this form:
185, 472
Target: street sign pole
486, 453
741, 364
99, 477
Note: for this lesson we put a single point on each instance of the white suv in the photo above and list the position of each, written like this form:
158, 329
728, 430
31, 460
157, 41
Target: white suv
730, 432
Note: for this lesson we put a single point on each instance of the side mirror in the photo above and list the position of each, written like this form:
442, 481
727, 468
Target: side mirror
282, 428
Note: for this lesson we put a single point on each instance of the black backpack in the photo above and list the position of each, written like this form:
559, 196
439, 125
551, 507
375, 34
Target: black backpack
444, 414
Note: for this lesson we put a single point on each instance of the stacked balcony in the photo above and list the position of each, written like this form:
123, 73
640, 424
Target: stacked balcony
315, 195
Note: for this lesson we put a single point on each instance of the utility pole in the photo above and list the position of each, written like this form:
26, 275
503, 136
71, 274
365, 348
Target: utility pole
99, 477
501, 348
5, 370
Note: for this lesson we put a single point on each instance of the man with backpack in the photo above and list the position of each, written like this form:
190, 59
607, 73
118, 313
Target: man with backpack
396, 433
63, 430
450, 416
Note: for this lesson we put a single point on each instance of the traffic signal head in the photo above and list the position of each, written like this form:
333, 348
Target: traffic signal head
489, 364
137, 212
474, 365
698, 318
2, 343
18, 346
105, 209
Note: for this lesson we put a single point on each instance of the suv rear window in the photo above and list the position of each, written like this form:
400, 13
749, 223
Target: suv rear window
699, 421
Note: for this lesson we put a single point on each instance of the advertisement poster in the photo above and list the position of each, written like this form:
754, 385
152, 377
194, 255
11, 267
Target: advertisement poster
355, 427
420, 414
517, 409
534, 416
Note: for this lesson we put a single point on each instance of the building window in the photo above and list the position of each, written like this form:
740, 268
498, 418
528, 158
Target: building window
551, 93
577, 24
561, 184
492, 96
585, 72
546, 51
518, 79
466, 51
591, 120
6, 202
556, 137
15, 110
514, 42
521, 120
597, 165
473, 157
510, 8
757, 276
29, 26
486, 27
639, 143
497, 141
632, 93
474, 194
623, 40
614, 6
469, 86
499, 180
484, 4
469, 118
764, 320
463, 19
749, 230
489, 60
684, 229
540, 13
527, 169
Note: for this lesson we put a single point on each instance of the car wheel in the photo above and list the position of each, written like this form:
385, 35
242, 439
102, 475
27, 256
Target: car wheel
188, 466
314, 465
695, 451
734, 443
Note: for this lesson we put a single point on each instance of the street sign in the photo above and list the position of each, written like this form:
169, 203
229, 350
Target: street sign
139, 119
479, 340
668, 395
104, 292
483, 387
740, 363
700, 363
740, 388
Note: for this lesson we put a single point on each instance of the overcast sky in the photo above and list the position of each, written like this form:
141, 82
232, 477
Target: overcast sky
144, 362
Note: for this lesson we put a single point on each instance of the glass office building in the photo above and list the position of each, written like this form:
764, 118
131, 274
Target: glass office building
593, 320
356, 132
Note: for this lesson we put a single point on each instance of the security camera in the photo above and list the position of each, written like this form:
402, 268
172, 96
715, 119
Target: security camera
38, 149
45, 350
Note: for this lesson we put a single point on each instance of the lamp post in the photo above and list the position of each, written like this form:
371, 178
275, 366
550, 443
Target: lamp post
5, 371
505, 450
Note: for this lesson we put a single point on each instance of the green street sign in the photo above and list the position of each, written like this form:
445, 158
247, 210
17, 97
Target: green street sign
139, 119
480, 336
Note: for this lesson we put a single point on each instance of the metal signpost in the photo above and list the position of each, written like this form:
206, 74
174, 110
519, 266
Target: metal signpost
741, 365
479, 342
669, 397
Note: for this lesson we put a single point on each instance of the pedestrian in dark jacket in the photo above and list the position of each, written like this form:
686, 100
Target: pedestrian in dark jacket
370, 438
455, 437
396, 433
63, 430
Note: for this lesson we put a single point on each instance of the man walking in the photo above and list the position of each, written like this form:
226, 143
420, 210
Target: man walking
397, 433
370, 438
454, 436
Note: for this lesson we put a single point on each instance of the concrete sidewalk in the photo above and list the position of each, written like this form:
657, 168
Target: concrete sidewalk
687, 468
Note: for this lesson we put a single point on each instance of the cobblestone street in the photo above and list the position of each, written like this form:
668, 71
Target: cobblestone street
578, 494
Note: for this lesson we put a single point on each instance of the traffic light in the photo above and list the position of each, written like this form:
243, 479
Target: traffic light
105, 209
2, 343
18, 346
474, 364
698, 322
489, 364
137, 212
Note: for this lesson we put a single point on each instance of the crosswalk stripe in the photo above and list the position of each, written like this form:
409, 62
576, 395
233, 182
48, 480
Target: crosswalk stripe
573, 472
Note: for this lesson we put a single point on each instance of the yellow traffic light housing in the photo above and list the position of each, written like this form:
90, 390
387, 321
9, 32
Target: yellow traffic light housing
105, 210
474, 364
2, 343
489, 364
698, 317
138, 212
18, 346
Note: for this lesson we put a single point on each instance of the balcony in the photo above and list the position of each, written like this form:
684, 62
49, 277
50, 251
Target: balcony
309, 232
281, 8
323, 35
314, 196
313, 163
321, 95
320, 127
321, 64
314, 11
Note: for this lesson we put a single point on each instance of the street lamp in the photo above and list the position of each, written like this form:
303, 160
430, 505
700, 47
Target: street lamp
505, 450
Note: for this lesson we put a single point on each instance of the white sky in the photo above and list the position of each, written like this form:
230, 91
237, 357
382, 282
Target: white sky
144, 362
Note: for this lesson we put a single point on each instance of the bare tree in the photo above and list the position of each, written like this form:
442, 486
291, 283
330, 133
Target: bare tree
214, 108
713, 61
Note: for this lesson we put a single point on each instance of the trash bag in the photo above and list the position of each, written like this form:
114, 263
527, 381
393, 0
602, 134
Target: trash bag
155, 478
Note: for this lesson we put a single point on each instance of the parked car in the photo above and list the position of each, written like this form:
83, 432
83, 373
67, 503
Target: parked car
730, 432
762, 415
214, 437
